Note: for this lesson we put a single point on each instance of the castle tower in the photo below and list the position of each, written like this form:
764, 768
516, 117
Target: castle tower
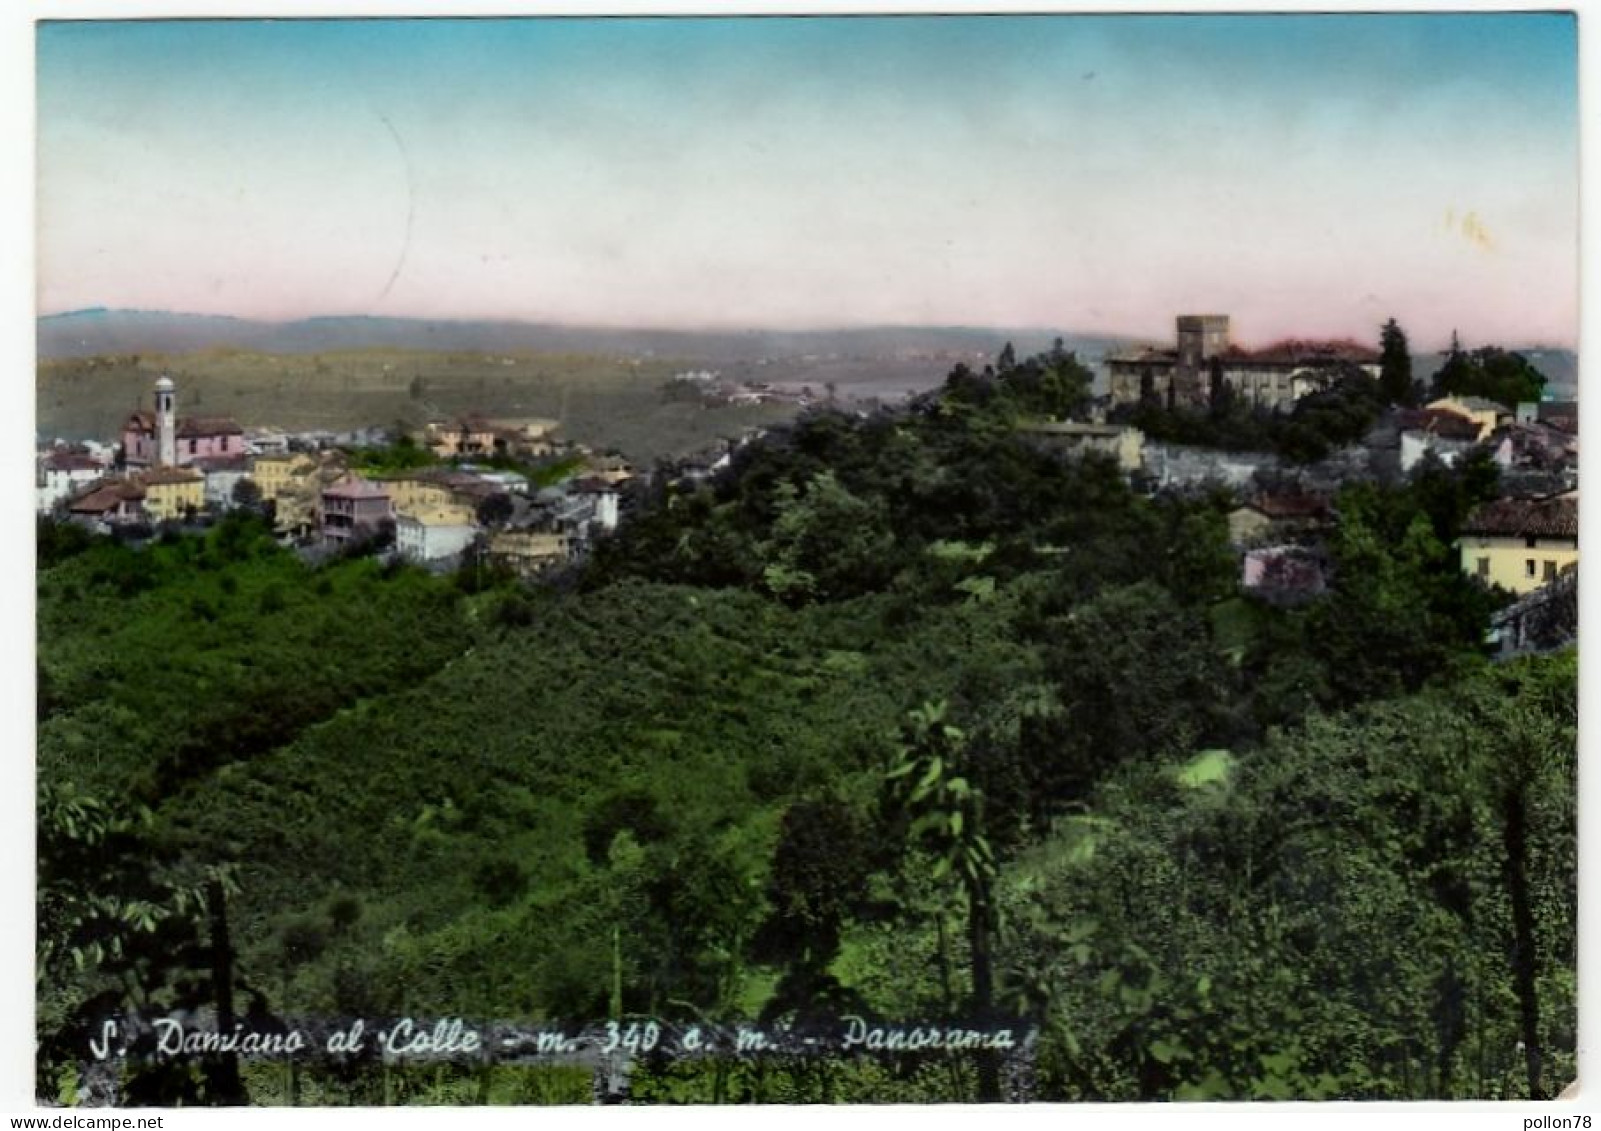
1200, 337
166, 422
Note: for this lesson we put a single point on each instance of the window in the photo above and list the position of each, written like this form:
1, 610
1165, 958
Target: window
1550, 571
1484, 567
192, 444
1530, 542
1528, 567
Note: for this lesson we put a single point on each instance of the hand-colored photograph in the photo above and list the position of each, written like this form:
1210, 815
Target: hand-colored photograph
836, 560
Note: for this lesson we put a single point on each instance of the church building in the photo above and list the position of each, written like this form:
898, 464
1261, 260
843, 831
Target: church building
164, 439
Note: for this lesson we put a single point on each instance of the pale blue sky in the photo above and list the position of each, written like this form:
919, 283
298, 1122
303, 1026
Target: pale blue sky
1307, 174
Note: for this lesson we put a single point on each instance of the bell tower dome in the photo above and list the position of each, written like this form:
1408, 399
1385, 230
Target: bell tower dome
166, 422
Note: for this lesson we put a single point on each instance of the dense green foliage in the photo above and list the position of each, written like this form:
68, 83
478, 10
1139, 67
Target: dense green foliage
1503, 376
1318, 424
901, 716
405, 454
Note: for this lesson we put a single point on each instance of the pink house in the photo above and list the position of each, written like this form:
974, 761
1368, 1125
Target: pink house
353, 508
163, 438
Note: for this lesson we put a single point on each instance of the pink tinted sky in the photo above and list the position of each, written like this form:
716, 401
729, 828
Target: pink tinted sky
1309, 175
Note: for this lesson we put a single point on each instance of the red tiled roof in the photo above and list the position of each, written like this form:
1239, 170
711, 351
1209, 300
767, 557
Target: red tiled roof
1292, 506
1526, 518
354, 488
1303, 351
158, 476
142, 421
1438, 422
72, 461
208, 426
1147, 355
106, 496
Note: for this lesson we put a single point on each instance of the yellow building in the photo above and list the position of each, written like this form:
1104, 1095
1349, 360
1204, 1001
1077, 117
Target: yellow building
412, 494
528, 552
434, 514
1521, 544
171, 492
297, 486
456, 439
1484, 413
275, 474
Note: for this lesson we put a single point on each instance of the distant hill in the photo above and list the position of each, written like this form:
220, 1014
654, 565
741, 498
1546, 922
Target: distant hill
85, 333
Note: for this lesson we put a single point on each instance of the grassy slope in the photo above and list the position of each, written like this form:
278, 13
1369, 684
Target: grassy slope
720, 705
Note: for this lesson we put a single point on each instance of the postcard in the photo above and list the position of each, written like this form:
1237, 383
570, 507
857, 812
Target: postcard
845, 559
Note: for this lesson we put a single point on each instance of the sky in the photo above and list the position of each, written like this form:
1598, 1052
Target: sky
1310, 175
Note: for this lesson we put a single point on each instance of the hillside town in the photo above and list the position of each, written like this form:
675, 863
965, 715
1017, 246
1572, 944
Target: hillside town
454, 490
516, 494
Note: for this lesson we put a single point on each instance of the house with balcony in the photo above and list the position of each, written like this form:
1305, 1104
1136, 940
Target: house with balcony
353, 509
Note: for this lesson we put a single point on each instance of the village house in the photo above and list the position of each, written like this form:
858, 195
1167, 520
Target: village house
222, 475
171, 492
1274, 377
353, 508
1521, 544
1076, 438
601, 497
611, 467
294, 483
1536, 446
1444, 433
267, 442
62, 474
164, 439
1279, 516
1284, 575
415, 491
528, 553
110, 503
1541, 621
1486, 414
528, 438
505, 480
434, 535
466, 488
1561, 415
277, 474
447, 513
465, 436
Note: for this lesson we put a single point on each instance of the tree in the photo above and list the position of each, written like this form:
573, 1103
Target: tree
119, 928
1137, 676
247, 495
818, 880
1395, 364
1503, 376
945, 817
826, 543
1007, 360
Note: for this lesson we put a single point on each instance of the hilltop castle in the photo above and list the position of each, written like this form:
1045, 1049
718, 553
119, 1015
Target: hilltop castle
1273, 377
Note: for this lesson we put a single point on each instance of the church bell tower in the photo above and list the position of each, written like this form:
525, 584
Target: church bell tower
166, 422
